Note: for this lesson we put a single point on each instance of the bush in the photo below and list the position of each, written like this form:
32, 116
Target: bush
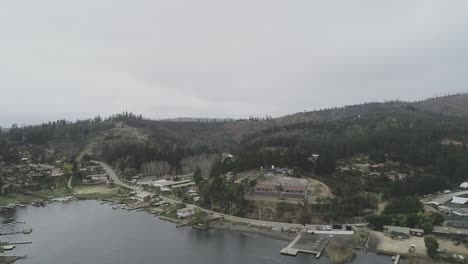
431, 246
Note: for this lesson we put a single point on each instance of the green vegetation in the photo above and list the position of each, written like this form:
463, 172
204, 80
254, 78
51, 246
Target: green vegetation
408, 204
339, 254
406, 211
305, 213
197, 176
396, 133
431, 246
97, 192
34, 196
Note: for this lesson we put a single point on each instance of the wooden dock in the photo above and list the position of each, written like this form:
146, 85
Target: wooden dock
397, 259
291, 251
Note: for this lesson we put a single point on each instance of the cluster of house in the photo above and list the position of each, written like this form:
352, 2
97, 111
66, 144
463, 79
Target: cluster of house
278, 171
455, 205
361, 165
163, 185
93, 173
273, 189
29, 172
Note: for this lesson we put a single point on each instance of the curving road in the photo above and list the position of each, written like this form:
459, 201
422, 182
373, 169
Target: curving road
117, 181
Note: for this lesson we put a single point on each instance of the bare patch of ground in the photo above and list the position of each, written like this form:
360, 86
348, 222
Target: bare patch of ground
448, 245
381, 207
319, 189
93, 189
402, 246
387, 244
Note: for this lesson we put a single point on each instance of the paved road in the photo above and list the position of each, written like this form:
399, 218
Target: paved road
117, 181
70, 181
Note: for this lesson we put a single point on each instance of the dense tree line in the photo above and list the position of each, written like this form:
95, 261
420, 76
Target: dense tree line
410, 138
406, 211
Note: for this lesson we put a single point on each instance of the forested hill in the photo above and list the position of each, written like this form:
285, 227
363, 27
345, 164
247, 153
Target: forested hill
410, 132
453, 105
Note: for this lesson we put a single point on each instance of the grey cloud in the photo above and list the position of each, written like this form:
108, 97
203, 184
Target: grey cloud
76, 59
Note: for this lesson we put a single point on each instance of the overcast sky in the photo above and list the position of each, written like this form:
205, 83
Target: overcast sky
164, 59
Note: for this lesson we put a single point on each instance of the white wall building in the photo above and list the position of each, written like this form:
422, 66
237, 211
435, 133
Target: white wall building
185, 212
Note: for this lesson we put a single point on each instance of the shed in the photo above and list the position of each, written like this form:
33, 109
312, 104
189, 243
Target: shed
464, 185
417, 232
144, 196
459, 200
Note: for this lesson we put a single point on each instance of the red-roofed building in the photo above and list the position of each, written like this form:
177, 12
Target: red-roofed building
287, 190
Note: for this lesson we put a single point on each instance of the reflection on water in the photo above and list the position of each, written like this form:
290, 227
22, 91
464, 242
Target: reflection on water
87, 232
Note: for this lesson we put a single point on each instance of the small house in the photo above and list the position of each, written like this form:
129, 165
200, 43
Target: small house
416, 232
464, 185
144, 196
397, 232
185, 212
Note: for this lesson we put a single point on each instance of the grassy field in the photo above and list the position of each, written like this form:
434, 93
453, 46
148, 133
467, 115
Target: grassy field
34, 196
97, 192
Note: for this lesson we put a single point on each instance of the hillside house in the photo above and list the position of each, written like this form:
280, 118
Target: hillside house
263, 188
56, 172
278, 190
98, 177
294, 190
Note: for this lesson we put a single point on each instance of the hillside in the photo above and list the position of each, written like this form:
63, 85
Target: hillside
453, 105
134, 140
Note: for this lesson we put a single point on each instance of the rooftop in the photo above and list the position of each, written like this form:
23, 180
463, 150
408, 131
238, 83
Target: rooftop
397, 229
459, 200
186, 209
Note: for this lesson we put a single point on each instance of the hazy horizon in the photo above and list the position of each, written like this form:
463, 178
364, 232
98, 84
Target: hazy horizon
207, 59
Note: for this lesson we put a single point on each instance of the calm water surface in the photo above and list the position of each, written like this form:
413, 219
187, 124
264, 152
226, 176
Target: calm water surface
86, 232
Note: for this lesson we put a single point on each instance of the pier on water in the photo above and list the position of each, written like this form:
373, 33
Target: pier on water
316, 249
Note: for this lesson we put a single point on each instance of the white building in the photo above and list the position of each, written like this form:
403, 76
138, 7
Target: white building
185, 212
459, 200
144, 196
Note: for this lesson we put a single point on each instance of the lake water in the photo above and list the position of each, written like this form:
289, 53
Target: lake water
86, 232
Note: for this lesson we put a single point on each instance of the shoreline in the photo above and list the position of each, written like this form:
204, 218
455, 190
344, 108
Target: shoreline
252, 230
225, 225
